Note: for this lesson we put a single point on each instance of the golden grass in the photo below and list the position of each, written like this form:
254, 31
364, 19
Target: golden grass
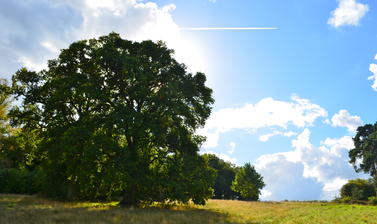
32, 209
294, 212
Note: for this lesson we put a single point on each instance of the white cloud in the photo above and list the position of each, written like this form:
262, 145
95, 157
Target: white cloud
373, 69
226, 157
232, 147
331, 189
34, 31
267, 113
31, 63
323, 169
227, 28
266, 137
100, 4
222, 156
349, 12
284, 179
327, 121
344, 119
49, 46
265, 193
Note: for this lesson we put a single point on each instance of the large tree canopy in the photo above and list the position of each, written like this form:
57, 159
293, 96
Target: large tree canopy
364, 155
118, 116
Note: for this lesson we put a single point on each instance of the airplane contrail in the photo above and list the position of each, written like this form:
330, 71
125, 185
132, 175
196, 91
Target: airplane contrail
227, 28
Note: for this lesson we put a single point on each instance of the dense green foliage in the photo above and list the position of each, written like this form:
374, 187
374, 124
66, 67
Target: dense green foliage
111, 117
19, 150
4, 106
20, 181
364, 155
248, 183
358, 190
4, 126
225, 173
17, 174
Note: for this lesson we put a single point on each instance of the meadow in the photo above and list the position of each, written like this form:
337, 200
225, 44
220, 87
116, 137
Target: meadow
33, 209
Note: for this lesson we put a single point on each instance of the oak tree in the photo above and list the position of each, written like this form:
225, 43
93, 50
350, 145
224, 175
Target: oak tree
118, 118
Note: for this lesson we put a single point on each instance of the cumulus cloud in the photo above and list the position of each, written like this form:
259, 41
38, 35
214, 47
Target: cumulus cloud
284, 180
348, 12
331, 189
267, 113
307, 172
344, 119
266, 137
34, 31
373, 69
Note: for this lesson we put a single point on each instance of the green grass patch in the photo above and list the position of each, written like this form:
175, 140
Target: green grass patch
32, 209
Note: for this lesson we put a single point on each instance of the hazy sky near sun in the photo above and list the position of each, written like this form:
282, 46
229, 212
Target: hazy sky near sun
288, 99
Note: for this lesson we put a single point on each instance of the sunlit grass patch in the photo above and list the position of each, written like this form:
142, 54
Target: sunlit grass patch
32, 209
28, 209
93, 205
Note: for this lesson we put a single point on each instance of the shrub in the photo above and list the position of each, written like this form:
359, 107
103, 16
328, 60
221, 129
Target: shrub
372, 200
346, 199
20, 181
349, 200
357, 190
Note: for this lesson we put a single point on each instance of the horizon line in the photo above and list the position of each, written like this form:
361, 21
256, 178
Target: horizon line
226, 28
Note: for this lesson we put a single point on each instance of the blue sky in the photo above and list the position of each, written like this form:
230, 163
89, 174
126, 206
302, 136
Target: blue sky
288, 100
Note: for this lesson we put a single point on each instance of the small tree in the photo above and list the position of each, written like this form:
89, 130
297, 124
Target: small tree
248, 183
358, 189
225, 173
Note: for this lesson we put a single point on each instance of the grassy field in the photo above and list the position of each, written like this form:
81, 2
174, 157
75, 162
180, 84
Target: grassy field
31, 209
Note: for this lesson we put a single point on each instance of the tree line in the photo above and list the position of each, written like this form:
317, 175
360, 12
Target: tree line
111, 118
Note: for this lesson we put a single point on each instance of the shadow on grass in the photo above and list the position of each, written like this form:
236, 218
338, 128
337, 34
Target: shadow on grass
31, 209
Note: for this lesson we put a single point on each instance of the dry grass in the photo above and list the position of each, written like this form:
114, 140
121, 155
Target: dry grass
294, 212
32, 209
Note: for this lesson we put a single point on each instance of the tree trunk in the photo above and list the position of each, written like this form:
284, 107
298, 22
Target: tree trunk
71, 193
130, 198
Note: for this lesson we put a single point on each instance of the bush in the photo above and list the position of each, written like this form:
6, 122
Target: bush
20, 181
349, 200
346, 200
358, 190
372, 200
